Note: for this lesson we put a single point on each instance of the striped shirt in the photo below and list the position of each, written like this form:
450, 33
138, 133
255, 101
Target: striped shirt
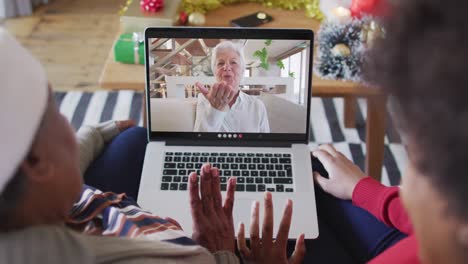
110, 214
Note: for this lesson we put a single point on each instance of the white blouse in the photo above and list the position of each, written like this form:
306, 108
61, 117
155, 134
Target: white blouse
247, 115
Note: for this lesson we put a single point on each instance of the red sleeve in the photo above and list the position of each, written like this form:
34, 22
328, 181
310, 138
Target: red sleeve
383, 202
403, 252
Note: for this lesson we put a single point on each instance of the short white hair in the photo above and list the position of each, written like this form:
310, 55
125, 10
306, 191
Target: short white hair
224, 45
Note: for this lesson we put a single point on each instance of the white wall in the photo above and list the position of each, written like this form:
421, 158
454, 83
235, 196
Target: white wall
2, 9
13, 8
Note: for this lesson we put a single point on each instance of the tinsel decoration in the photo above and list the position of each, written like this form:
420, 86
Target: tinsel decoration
340, 50
311, 7
124, 8
202, 6
313, 10
151, 6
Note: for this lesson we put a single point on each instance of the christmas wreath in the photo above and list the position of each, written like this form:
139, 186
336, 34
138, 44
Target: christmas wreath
340, 50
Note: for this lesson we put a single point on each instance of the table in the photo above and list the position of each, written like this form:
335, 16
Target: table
126, 76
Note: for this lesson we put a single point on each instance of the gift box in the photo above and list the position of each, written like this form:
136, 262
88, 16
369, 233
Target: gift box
130, 48
133, 19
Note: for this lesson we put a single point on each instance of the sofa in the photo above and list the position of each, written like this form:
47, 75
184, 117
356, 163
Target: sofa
178, 114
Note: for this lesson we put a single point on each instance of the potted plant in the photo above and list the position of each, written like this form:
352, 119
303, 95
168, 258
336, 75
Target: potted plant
266, 66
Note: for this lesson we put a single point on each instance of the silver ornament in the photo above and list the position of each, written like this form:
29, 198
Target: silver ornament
196, 19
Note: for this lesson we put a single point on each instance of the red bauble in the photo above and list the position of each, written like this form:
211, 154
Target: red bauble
151, 5
183, 18
368, 7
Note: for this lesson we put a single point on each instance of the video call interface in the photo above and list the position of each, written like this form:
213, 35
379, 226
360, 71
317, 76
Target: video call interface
228, 85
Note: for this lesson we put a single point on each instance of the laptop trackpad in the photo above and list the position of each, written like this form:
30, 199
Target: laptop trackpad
243, 209
242, 213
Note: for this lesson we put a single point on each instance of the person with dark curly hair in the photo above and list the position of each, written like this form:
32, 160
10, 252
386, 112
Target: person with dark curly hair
422, 66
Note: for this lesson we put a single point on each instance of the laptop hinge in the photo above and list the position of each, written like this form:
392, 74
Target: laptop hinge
268, 144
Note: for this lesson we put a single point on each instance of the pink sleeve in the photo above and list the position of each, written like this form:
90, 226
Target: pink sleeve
383, 202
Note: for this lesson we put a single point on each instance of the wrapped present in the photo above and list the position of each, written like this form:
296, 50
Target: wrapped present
130, 48
134, 19
151, 5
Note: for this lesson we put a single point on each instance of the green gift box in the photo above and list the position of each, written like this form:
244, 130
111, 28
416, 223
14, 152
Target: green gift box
129, 48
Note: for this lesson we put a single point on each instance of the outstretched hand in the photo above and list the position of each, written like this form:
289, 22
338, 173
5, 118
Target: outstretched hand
343, 174
266, 249
220, 94
213, 226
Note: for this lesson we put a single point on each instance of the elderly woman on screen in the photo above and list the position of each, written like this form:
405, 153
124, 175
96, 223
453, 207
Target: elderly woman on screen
224, 107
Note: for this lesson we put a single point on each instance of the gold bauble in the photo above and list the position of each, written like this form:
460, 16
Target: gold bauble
196, 19
341, 50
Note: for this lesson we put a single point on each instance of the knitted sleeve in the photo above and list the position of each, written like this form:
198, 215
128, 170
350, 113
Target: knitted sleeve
92, 139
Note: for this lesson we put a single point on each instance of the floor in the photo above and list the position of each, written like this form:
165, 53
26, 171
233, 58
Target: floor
72, 39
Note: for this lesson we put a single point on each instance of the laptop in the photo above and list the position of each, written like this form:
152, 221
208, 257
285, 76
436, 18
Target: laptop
261, 139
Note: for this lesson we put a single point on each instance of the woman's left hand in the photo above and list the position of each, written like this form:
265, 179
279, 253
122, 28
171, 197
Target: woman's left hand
213, 226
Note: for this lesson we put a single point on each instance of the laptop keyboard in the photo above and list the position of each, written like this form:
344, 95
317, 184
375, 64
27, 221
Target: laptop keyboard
255, 172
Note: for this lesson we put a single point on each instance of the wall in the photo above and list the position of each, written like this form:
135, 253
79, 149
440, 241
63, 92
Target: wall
2, 9
13, 8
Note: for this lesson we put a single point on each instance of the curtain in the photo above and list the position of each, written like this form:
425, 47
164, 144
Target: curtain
14, 8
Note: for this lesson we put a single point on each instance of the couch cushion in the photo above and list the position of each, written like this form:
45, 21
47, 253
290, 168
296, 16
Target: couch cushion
173, 114
284, 116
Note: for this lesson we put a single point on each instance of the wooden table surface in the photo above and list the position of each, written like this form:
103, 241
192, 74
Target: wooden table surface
127, 76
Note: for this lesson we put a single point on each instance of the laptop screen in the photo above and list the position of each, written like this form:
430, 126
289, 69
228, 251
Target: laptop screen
208, 84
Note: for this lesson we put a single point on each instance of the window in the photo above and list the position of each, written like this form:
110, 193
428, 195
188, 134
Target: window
296, 66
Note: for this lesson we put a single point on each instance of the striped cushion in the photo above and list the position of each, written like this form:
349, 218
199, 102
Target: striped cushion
327, 124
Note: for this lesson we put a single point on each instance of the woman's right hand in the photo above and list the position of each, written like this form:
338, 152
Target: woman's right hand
219, 96
343, 174
266, 249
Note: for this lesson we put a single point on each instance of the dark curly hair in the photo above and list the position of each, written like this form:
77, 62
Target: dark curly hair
423, 65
